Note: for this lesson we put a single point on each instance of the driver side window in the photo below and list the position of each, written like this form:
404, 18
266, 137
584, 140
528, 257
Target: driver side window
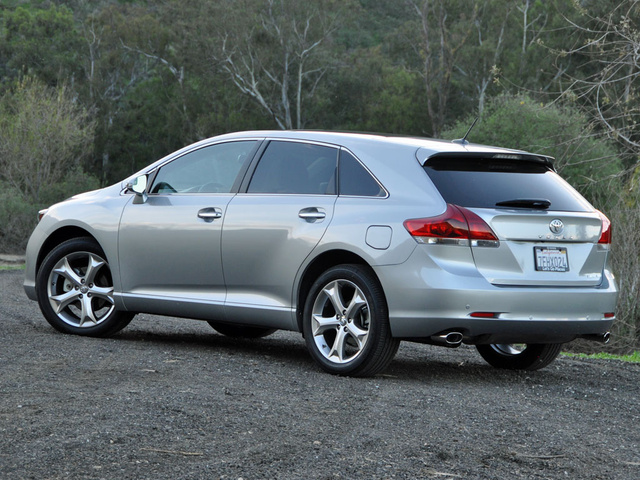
211, 169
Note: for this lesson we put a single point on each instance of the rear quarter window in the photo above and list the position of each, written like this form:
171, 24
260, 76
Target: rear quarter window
355, 180
485, 182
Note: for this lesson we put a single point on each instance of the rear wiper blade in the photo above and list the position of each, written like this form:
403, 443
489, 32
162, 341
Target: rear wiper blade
537, 203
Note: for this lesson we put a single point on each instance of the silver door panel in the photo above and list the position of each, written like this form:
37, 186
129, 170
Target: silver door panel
167, 250
264, 243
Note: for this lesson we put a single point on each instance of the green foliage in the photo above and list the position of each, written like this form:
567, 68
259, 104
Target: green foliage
17, 220
631, 358
12, 267
42, 42
374, 96
622, 210
18, 215
43, 136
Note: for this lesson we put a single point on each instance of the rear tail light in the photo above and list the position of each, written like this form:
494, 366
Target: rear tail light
606, 235
456, 226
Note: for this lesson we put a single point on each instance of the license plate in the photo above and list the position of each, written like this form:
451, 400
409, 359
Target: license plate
551, 259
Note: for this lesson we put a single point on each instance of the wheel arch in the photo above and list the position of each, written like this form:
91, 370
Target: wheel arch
56, 238
319, 265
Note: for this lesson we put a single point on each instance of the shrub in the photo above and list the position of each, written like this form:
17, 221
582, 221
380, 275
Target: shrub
44, 136
18, 216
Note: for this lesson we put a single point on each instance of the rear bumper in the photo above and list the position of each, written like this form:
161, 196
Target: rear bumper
426, 300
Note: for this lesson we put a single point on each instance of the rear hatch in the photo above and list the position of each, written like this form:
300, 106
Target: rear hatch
548, 234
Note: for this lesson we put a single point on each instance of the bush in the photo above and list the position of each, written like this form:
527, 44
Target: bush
17, 219
624, 213
18, 216
44, 136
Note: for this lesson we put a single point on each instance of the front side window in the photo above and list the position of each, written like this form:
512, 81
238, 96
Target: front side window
211, 169
296, 168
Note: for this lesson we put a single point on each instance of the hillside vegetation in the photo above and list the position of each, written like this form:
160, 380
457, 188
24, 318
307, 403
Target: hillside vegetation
93, 91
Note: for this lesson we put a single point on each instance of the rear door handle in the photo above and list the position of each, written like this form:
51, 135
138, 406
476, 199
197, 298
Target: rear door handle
312, 214
210, 214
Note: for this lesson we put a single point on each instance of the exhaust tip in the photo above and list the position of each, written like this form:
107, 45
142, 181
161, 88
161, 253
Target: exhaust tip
598, 337
451, 339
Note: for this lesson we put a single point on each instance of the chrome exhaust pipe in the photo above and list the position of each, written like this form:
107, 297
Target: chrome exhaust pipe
451, 339
598, 337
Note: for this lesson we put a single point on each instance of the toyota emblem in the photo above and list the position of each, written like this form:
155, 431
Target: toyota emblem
556, 226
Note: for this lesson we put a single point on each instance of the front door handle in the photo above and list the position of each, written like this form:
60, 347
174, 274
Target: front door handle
312, 214
210, 214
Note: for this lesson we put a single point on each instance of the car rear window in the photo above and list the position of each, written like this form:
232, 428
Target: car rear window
485, 182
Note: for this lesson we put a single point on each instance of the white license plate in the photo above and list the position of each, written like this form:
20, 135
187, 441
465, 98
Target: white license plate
551, 259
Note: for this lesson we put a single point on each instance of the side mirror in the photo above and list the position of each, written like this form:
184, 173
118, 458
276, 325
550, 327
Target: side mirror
139, 186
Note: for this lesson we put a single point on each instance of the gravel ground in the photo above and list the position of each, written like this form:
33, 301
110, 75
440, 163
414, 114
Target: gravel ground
170, 398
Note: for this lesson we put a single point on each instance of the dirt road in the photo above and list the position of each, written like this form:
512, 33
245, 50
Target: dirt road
172, 399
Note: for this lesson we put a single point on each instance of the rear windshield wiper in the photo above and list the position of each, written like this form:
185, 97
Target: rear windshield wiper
537, 203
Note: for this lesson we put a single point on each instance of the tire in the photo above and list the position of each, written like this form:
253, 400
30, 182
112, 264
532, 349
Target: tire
75, 290
346, 323
241, 331
520, 356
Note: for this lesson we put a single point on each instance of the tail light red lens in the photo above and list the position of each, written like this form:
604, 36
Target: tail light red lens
456, 225
483, 315
607, 234
451, 224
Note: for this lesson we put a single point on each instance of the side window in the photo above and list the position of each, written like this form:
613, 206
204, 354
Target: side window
355, 179
292, 167
210, 169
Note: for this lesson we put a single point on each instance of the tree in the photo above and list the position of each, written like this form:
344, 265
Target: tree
117, 75
608, 82
442, 35
40, 42
44, 135
480, 60
275, 53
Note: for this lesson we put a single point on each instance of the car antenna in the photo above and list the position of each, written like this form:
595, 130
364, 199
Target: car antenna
463, 140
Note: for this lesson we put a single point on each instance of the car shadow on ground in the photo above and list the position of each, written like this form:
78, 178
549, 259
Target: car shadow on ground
414, 362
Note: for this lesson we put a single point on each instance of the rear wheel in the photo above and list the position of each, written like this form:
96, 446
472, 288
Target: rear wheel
346, 322
520, 356
75, 290
241, 331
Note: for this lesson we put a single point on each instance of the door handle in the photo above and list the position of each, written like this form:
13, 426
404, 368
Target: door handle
210, 214
312, 214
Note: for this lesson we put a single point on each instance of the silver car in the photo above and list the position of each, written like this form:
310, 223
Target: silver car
356, 241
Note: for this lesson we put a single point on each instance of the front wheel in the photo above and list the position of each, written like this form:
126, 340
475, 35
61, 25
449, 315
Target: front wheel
520, 356
346, 322
75, 290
